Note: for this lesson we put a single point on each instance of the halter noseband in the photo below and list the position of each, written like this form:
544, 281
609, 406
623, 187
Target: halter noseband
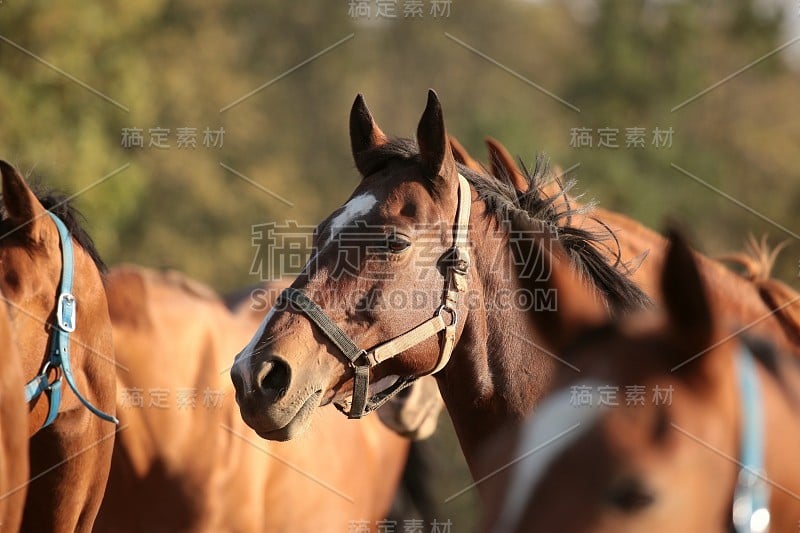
751, 497
445, 319
58, 356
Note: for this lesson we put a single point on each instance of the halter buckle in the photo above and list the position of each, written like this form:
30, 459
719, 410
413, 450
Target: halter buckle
750, 504
456, 259
445, 308
48, 366
66, 312
362, 356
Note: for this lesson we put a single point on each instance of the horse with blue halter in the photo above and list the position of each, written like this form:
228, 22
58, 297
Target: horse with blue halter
717, 453
52, 284
413, 276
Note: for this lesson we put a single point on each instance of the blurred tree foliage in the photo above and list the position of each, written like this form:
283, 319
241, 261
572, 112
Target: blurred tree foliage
174, 64
177, 64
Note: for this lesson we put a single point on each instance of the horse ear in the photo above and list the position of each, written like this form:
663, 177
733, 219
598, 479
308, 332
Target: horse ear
462, 156
364, 133
436, 158
564, 305
21, 204
502, 164
684, 295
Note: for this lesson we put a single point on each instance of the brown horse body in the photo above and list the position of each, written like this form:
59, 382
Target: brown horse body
13, 429
199, 468
69, 459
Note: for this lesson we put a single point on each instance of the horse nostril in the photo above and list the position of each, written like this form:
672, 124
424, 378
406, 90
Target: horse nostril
273, 379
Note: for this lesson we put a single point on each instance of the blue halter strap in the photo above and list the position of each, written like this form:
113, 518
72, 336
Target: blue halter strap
58, 359
751, 498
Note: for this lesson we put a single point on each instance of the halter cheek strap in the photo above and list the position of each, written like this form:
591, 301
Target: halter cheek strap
445, 319
751, 497
58, 359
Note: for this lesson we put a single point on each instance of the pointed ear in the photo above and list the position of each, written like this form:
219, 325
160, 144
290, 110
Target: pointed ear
564, 305
364, 133
462, 156
684, 295
502, 164
436, 158
22, 206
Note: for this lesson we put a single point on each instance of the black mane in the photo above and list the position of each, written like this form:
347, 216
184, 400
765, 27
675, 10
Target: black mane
585, 248
59, 204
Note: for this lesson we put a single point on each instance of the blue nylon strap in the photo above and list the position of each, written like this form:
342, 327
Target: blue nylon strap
35, 387
40, 384
59, 347
751, 498
55, 402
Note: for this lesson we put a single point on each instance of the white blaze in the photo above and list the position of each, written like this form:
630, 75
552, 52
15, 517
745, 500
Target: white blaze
555, 425
356, 207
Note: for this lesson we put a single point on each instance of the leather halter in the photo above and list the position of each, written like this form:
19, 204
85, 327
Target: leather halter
751, 497
444, 319
58, 357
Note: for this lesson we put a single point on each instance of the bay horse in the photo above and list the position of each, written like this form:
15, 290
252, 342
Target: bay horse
53, 287
719, 455
417, 226
187, 461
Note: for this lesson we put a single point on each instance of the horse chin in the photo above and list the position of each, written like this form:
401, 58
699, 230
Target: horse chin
299, 423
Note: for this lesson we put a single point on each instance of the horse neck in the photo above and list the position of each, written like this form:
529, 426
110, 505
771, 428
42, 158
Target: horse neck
496, 374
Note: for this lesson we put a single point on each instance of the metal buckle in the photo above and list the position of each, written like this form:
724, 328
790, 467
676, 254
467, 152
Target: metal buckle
461, 261
456, 259
66, 312
362, 356
749, 505
453, 313
46, 371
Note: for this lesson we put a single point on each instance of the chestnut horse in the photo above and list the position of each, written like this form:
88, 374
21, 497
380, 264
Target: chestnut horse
717, 454
187, 462
421, 247
63, 333
757, 261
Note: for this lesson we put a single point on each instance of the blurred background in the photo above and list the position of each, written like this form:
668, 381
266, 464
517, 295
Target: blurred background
651, 103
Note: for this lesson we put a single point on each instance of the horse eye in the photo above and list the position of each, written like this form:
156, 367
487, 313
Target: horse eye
396, 244
630, 496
